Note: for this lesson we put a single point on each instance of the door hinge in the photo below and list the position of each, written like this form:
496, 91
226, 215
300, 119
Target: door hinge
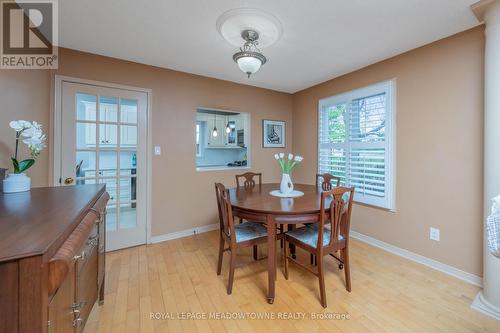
48, 326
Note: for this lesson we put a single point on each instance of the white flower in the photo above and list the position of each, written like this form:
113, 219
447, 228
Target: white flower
34, 140
299, 158
276, 156
282, 155
19, 125
290, 157
35, 130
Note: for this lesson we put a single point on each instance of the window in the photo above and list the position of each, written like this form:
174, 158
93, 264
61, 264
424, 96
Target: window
222, 139
356, 142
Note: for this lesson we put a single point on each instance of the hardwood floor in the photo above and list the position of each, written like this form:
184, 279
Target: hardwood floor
178, 277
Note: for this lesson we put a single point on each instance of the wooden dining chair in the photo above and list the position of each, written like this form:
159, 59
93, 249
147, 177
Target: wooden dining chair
236, 236
248, 179
321, 241
325, 180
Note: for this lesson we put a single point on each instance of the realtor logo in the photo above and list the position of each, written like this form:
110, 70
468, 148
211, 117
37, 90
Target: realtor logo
29, 34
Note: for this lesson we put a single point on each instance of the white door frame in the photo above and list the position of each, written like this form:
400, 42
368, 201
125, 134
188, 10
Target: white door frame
56, 130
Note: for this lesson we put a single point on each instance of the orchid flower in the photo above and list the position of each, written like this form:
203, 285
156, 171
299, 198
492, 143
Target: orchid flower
33, 137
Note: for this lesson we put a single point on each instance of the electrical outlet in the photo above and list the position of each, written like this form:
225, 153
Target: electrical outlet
434, 234
157, 150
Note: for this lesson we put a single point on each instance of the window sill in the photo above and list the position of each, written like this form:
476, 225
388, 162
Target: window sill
221, 168
390, 210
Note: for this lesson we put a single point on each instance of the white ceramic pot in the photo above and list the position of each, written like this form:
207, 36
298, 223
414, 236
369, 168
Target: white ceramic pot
16, 182
286, 186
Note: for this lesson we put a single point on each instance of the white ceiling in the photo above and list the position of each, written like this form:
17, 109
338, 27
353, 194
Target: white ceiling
322, 39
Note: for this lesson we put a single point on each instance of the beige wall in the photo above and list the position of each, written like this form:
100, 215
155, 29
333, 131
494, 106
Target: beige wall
182, 198
439, 155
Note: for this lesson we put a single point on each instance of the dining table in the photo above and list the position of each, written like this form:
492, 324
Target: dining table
258, 205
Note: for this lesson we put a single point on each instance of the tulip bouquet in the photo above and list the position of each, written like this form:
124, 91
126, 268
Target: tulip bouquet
32, 135
289, 164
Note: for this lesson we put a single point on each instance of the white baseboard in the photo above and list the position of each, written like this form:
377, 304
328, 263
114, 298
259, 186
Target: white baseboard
482, 305
450, 270
184, 233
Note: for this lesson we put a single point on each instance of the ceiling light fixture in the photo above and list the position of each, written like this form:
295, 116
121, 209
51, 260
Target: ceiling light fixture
250, 58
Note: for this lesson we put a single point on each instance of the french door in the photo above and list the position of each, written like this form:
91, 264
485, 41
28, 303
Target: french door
104, 140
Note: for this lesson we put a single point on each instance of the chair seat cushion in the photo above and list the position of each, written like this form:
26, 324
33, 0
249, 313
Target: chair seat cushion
249, 230
309, 235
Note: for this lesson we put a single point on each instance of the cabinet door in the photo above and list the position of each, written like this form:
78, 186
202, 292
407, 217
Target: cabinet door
61, 315
101, 258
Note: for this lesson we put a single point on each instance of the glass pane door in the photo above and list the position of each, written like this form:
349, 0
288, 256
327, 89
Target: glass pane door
106, 152
104, 141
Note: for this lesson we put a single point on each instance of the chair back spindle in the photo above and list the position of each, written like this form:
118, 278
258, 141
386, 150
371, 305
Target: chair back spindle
326, 181
248, 179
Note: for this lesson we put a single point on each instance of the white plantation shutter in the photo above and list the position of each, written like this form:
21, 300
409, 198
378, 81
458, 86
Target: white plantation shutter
356, 141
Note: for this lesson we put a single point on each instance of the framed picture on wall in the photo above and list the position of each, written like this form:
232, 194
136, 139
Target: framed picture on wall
273, 133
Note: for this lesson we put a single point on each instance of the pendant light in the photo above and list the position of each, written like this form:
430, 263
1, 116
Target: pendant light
214, 131
250, 58
228, 129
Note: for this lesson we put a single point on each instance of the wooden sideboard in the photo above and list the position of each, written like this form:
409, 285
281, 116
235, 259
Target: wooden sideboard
51, 257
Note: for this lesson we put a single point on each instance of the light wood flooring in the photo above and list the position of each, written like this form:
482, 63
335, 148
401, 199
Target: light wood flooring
178, 278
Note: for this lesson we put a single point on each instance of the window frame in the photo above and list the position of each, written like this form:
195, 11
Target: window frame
198, 132
389, 88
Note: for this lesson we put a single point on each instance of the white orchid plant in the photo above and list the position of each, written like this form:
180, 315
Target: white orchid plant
32, 135
287, 165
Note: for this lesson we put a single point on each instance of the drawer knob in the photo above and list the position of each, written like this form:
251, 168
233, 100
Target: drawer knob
81, 256
77, 322
93, 241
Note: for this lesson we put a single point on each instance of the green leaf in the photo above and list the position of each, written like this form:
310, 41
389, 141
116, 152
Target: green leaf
26, 164
15, 163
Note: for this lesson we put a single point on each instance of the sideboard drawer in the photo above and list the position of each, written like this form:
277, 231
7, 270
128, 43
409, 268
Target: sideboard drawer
72, 250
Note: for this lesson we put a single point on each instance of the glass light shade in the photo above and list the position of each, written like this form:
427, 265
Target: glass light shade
228, 129
249, 65
214, 132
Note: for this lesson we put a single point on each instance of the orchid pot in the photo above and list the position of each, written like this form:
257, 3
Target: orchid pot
31, 134
16, 182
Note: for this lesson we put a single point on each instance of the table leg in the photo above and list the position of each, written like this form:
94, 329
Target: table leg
271, 258
291, 227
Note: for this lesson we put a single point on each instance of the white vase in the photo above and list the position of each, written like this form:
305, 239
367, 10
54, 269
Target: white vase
286, 186
16, 182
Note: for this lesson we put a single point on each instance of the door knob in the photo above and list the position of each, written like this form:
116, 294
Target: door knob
68, 181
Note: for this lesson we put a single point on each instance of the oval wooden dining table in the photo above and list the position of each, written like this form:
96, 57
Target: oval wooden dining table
257, 204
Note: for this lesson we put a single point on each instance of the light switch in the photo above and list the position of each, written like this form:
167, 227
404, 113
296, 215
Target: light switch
157, 150
434, 234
